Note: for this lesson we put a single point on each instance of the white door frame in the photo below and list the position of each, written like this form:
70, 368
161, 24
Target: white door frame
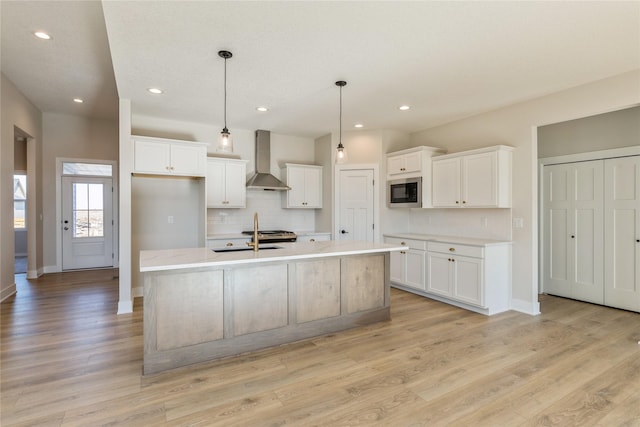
376, 196
569, 158
114, 195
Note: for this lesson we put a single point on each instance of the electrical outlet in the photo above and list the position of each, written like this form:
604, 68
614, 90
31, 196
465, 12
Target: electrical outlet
170, 219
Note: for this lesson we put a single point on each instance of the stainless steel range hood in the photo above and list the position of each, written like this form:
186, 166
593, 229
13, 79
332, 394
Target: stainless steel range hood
263, 180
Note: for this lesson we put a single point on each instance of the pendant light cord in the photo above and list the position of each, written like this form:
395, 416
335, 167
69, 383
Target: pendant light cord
341, 114
225, 93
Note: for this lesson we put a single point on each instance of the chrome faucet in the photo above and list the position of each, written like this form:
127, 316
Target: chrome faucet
255, 242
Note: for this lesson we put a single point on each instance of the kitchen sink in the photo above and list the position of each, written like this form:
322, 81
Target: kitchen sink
243, 248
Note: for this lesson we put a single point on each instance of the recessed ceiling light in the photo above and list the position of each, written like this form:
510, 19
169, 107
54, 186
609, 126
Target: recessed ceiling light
78, 100
404, 107
155, 90
263, 109
358, 125
42, 35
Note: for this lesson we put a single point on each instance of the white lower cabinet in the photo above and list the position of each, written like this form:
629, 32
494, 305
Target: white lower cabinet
407, 267
455, 276
472, 276
314, 237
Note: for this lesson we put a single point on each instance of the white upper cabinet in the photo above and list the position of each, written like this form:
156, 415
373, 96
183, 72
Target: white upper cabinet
478, 178
306, 186
168, 157
226, 183
412, 163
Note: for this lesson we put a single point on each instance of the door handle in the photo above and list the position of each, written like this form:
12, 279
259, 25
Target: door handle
344, 232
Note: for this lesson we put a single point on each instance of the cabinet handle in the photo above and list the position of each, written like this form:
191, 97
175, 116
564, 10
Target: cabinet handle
229, 244
312, 240
403, 243
452, 249
402, 252
464, 202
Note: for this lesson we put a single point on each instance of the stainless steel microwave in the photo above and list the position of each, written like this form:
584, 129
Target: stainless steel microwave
404, 193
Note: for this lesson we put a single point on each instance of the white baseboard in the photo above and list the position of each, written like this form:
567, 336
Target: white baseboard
51, 269
34, 274
125, 307
527, 307
137, 292
7, 292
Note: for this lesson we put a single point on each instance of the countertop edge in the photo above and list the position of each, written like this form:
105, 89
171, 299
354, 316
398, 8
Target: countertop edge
470, 241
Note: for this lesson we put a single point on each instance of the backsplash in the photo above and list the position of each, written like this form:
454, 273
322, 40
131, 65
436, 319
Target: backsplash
475, 223
271, 215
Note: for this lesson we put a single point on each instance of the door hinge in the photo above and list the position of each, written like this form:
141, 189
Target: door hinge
373, 182
112, 255
112, 223
373, 226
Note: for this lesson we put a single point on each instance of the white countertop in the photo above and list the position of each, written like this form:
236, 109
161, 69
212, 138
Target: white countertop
247, 236
173, 259
449, 239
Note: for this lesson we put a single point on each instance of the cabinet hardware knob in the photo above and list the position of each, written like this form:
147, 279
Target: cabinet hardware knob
638, 240
464, 202
573, 237
403, 243
457, 202
402, 252
452, 249
344, 232
312, 240
229, 244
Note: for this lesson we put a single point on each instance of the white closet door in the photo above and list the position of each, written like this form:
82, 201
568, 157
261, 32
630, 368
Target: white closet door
622, 241
587, 241
557, 205
573, 230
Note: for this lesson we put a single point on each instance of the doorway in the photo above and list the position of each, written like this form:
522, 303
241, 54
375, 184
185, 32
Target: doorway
356, 203
86, 222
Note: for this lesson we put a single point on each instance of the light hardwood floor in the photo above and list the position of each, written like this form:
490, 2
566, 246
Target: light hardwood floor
68, 359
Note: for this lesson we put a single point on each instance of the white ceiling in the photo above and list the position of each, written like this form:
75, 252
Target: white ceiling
448, 60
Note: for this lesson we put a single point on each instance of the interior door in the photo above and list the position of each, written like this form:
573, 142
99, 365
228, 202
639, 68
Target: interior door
356, 205
87, 227
573, 230
622, 239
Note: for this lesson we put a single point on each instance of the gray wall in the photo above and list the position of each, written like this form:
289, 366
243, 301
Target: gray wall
602, 132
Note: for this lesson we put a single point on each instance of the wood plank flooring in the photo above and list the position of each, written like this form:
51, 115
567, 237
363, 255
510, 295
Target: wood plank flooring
68, 360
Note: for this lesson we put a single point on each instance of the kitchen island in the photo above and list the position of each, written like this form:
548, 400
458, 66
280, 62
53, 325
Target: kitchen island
200, 304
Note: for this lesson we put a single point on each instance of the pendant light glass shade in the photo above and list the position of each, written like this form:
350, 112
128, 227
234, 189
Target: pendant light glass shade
341, 152
225, 145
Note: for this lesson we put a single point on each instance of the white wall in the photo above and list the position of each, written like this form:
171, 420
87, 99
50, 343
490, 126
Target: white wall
18, 112
616, 129
516, 126
72, 137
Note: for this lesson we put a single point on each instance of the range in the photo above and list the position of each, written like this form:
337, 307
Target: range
273, 236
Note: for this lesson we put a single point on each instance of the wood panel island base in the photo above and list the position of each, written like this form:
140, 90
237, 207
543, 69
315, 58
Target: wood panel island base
200, 305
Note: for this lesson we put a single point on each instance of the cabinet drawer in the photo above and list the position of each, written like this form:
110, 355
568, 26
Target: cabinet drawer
221, 243
411, 243
457, 249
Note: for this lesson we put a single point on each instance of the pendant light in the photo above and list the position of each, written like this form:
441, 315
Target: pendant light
226, 141
341, 153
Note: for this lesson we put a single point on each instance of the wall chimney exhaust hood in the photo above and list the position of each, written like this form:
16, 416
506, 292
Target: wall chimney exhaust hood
263, 180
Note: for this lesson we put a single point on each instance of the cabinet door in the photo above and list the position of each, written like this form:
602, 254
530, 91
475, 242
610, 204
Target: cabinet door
296, 180
622, 236
395, 165
480, 180
188, 160
439, 271
313, 188
151, 157
446, 183
216, 191
467, 280
397, 267
414, 274
413, 162
235, 184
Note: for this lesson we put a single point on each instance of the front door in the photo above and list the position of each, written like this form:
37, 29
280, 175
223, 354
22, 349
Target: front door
87, 226
356, 205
